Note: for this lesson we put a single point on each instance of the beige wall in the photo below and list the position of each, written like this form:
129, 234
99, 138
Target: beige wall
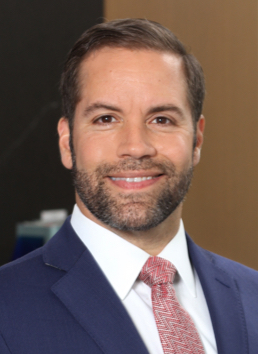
221, 209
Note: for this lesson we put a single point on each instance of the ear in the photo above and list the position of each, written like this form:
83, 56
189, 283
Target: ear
199, 140
64, 146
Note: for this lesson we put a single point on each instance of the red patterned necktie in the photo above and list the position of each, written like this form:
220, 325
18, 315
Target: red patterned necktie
177, 331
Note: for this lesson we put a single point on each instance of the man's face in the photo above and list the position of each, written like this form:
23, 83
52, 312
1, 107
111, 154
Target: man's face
133, 138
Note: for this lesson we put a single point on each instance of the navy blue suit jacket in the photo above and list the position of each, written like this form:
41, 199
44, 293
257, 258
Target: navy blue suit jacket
56, 300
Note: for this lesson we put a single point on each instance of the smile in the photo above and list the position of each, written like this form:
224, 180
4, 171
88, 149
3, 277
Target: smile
134, 179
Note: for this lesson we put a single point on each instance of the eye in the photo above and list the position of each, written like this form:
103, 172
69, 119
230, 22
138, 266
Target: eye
161, 120
107, 119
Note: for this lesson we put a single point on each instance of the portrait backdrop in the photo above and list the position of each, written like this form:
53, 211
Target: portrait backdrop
35, 38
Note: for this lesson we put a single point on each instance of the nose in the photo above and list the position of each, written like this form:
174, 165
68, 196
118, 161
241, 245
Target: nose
135, 141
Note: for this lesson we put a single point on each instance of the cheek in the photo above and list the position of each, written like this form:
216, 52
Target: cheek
91, 151
177, 149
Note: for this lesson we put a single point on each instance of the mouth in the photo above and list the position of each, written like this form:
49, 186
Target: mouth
134, 180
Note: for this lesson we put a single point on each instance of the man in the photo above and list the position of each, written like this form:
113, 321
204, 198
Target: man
132, 133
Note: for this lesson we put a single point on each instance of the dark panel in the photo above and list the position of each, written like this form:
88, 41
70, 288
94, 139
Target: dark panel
35, 38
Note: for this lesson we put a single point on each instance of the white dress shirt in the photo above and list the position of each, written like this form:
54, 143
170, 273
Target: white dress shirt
122, 262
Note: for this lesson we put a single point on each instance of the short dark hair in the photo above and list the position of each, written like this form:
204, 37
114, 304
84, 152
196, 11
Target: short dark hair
131, 34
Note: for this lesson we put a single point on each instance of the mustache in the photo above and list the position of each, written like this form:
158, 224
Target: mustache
130, 164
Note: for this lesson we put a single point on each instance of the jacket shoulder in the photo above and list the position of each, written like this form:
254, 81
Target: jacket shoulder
235, 269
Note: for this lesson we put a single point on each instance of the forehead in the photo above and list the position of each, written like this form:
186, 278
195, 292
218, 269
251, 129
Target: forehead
119, 71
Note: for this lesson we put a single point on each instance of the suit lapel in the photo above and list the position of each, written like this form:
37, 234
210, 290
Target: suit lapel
87, 294
224, 302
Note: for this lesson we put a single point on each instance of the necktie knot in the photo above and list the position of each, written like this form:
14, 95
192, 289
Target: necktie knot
156, 271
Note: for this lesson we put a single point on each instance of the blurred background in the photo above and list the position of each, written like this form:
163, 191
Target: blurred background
221, 209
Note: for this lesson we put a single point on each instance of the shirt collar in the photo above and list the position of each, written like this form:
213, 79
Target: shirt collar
121, 261
176, 252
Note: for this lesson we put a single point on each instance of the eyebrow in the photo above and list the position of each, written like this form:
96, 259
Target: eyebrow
98, 105
167, 107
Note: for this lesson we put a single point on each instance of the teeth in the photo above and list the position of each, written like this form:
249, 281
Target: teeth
135, 179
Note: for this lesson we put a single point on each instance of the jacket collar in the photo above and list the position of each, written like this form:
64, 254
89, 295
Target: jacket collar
223, 300
64, 249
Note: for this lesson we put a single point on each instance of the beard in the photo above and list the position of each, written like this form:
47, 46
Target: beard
136, 211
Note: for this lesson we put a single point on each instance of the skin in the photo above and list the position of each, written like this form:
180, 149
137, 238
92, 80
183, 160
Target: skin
133, 105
